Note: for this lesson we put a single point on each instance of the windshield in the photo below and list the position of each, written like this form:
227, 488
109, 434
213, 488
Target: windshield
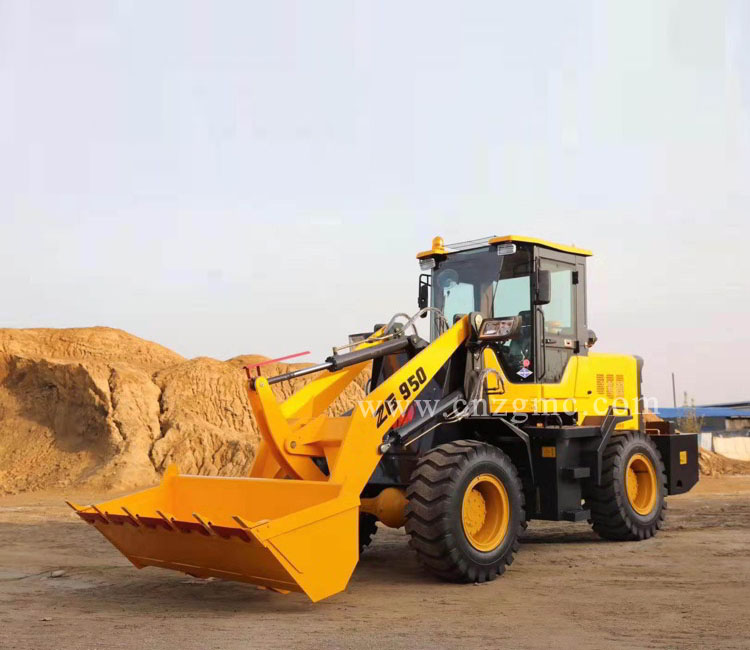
481, 280
497, 286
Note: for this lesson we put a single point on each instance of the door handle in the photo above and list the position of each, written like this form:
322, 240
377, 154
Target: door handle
540, 311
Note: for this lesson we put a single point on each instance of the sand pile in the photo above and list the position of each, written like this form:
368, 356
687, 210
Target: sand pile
101, 408
712, 464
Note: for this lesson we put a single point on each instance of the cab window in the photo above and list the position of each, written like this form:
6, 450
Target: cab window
458, 298
512, 296
559, 313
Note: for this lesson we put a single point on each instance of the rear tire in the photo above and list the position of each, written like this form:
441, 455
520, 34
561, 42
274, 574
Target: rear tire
630, 502
465, 511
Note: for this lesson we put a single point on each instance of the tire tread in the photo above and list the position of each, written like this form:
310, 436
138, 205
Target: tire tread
610, 515
428, 522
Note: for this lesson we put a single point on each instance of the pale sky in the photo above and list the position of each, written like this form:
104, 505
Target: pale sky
256, 177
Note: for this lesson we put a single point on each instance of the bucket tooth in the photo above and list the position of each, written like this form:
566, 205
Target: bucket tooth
206, 526
118, 519
101, 515
132, 519
190, 526
227, 532
154, 522
238, 519
91, 515
167, 524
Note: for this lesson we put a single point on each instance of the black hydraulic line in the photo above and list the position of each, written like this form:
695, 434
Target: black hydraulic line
339, 361
400, 436
299, 373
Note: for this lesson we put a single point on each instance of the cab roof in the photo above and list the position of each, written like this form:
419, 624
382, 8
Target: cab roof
440, 248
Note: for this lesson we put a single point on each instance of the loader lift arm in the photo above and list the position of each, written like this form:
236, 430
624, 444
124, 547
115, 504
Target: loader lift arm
351, 444
287, 535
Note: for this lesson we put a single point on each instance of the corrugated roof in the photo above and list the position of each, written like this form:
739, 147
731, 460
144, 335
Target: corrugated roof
731, 405
703, 412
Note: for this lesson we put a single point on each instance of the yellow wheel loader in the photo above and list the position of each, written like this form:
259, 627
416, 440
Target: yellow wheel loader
503, 416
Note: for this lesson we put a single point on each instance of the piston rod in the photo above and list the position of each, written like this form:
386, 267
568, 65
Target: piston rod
339, 361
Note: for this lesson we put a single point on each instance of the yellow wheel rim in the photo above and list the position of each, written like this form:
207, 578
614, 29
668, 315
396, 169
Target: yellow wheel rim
485, 513
641, 485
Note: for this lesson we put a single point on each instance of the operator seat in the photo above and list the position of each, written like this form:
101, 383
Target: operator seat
515, 352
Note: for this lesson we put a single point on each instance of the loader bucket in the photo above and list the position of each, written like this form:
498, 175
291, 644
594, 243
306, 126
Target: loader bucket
287, 535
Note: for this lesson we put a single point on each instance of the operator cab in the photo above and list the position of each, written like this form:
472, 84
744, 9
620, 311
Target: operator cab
537, 286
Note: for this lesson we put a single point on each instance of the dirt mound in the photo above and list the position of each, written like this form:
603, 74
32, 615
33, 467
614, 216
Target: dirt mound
101, 408
712, 464
85, 344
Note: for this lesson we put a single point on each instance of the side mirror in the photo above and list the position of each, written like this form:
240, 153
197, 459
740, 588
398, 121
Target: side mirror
543, 288
424, 289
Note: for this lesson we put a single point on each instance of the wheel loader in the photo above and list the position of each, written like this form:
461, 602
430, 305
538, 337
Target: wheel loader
500, 415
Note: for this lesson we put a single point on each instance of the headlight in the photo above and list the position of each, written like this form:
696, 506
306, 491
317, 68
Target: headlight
477, 320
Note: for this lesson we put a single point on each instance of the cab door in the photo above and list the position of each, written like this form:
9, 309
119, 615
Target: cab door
557, 325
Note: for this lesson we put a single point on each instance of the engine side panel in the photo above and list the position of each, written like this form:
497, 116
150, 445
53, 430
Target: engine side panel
589, 386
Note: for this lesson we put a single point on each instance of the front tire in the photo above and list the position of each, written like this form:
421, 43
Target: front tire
465, 511
630, 502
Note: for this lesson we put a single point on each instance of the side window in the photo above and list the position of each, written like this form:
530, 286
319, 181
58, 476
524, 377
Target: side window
512, 296
557, 344
559, 314
458, 298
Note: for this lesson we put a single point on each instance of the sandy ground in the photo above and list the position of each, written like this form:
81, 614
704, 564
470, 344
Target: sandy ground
688, 588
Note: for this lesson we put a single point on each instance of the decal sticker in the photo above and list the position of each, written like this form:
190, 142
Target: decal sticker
524, 372
390, 405
526, 363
